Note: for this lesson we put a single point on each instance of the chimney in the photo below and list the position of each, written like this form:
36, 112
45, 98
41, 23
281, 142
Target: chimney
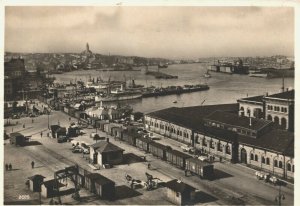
107, 139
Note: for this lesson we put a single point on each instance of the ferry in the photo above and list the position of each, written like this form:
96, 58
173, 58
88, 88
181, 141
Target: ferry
119, 95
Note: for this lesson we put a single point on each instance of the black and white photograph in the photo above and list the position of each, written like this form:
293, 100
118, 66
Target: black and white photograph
156, 104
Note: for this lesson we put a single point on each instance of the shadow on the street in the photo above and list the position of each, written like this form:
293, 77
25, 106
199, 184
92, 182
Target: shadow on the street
202, 197
130, 158
123, 192
219, 174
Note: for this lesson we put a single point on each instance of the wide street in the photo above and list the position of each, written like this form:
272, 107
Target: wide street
235, 184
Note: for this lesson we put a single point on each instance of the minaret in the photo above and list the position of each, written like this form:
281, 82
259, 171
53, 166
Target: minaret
87, 47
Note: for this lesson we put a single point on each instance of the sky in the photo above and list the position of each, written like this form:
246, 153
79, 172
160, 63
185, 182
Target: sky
167, 32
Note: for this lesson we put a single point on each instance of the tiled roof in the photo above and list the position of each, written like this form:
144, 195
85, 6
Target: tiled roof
104, 146
236, 120
284, 95
277, 140
253, 99
191, 117
179, 186
101, 180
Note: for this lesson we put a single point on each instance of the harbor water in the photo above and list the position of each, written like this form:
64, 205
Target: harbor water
224, 88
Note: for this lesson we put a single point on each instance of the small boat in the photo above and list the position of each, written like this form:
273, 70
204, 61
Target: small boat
207, 74
175, 102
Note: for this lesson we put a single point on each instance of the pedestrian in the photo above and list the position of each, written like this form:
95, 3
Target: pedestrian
23, 125
185, 172
10, 166
32, 121
6, 166
41, 134
69, 118
32, 164
149, 165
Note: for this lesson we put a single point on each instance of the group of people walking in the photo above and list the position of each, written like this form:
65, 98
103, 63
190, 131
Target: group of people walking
8, 166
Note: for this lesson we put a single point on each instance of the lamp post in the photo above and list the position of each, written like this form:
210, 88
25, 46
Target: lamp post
279, 197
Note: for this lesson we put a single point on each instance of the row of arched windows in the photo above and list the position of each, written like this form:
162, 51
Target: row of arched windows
276, 120
277, 163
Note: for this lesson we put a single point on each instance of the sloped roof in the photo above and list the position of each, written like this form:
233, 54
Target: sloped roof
277, 140
16, 134
104, 146
179, 186
101, 180
258, 99
284, 95
191, 117
236, 120
36, 177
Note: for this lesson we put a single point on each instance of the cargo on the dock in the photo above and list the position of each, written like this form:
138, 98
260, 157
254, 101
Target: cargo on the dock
177, 158
201, 168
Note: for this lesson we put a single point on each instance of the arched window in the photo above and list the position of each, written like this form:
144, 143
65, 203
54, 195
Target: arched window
219, 148
251, 156
197, 139
276, 120
289, 167
275, 163
180, 133
283, 122
280, 164
256, 158
177, 132
270, 118
293, 168
228, 151
263, 160
268, 161
204, 143
212, 145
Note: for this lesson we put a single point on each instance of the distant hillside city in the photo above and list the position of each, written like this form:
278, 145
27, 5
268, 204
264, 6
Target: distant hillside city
64, 62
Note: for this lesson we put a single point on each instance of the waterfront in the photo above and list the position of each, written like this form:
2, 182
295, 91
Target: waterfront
224, 88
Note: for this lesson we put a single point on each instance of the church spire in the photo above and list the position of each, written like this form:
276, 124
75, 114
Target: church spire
87, 47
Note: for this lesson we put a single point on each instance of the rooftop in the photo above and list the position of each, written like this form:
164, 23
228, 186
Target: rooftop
161, 146
104, 146
258, 99
101, 180
236, 120
191, 117
36, 177
179, 186
277, 140
287, 95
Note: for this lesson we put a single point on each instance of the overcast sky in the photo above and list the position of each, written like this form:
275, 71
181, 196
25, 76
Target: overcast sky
171, 32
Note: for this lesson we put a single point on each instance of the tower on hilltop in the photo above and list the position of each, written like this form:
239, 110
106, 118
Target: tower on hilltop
87, 47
